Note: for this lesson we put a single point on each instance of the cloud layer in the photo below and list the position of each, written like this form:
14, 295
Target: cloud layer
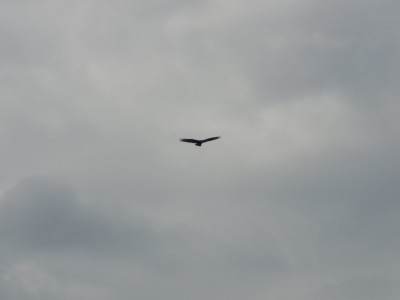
298, 200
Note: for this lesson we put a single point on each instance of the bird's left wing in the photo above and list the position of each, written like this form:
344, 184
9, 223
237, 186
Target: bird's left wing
189, 140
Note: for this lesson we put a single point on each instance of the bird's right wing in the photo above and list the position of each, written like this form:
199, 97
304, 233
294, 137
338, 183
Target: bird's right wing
211, 139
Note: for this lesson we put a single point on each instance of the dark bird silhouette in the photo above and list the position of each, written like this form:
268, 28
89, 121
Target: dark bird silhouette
199, 142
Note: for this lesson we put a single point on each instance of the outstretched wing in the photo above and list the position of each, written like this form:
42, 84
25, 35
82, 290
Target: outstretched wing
190, 141
211, 139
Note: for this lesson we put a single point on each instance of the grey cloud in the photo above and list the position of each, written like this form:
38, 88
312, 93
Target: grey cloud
312, 49
298, 200
43, 218
43, 215
370, 288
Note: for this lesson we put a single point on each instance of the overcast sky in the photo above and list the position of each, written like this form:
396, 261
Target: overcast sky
299, 199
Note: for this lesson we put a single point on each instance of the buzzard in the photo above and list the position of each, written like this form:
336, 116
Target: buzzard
199, 142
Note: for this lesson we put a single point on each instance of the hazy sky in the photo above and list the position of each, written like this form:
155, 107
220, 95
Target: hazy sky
299, 200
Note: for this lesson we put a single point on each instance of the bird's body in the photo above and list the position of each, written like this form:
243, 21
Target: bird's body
199, 142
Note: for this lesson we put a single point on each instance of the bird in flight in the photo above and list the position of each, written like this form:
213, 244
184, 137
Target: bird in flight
199, 142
